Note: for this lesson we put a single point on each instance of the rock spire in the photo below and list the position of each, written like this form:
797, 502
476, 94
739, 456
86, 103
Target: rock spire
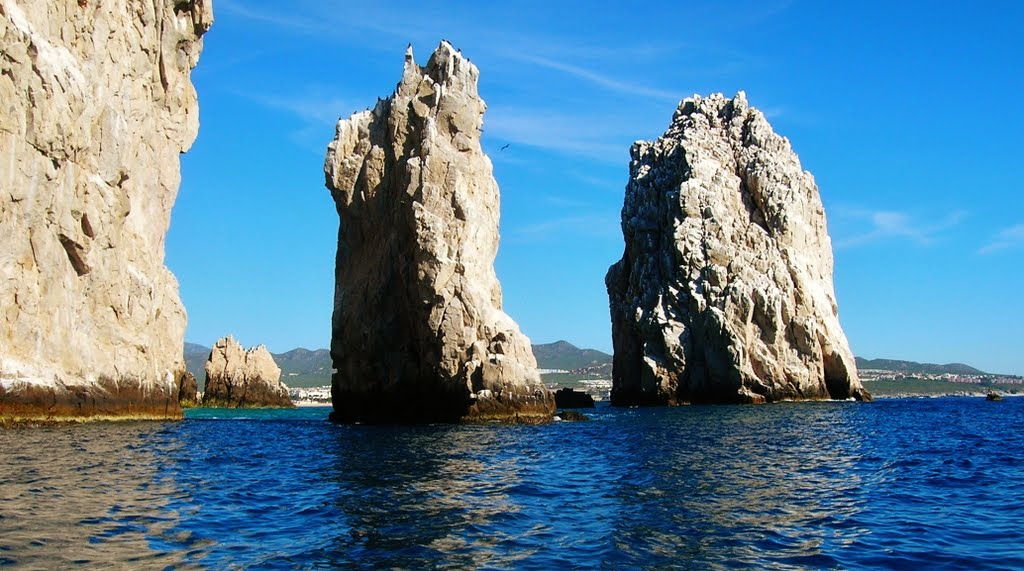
418, 330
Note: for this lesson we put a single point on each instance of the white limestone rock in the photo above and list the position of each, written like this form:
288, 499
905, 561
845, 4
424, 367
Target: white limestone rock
240, 378
418, 329
724, 292
97, 105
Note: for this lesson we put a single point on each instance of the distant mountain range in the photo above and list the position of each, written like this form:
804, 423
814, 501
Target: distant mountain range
910, 367
305, 368
566, 356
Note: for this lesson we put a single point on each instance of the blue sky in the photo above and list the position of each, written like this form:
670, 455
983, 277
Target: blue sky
909, 116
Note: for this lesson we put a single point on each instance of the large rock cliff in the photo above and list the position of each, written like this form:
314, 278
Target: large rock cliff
418, 329
236, 378
97, 105
724, 292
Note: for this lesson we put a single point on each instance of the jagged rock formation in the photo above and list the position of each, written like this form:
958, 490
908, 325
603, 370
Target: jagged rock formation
724, 292
418, 330
97, 106
236, 378
188, 390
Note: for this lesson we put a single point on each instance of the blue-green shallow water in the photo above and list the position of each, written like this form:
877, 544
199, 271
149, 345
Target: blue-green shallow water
922, 484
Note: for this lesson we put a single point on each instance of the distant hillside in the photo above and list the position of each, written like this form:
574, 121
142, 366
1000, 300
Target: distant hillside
195, 360
911, 367
565, 355
305, 362
305, 368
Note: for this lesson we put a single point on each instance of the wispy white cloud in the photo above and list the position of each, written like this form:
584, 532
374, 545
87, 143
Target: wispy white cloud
566, 133
315, 115
599, 79
311, 107
1011, 237
591, 225
273, 18
883, 225
607, 183
346, 22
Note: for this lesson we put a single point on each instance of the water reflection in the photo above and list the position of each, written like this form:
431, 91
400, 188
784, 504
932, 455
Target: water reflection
411, 497
720, 484
85, 495
784, 486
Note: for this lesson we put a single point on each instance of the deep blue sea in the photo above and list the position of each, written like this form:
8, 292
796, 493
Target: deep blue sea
895, 484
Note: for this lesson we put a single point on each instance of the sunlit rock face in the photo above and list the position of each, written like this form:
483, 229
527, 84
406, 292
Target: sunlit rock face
240, 378
97, 107
724, 292
418, 330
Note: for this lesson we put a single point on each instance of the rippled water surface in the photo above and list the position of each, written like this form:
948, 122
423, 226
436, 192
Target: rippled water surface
893, 484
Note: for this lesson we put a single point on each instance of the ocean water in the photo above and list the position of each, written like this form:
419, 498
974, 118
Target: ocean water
897, 484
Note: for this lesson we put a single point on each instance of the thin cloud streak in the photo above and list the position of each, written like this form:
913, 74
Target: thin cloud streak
1007, 238
276, 19
586, 225
316, 116
566, 134
310, 108
336, 23
600, 79
889, 224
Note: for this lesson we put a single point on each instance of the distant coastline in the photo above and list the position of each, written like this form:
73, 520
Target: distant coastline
562, 364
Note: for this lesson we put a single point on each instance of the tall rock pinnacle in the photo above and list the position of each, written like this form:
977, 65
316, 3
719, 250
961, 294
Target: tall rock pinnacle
724, 292
418, 331
98, 105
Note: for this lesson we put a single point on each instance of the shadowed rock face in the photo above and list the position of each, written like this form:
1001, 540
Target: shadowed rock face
724, 292
418, 330
97, 107
188, 390
236, 378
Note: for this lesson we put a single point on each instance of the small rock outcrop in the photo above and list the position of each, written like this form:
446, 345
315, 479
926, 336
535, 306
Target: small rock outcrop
236, 378
724, 292
570, 398
188, 390
418, 331
97, 106
571, 416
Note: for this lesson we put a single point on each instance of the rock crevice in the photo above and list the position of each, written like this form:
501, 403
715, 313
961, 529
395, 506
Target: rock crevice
724, 292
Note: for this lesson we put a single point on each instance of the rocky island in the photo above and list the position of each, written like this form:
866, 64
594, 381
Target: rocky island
724, 292
418, 331
98, 105
239, 378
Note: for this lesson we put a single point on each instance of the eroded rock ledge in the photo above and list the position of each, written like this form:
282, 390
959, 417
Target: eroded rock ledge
724, 292
418, 330
97, 106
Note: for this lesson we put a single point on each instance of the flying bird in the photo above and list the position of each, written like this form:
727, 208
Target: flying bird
505, 147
